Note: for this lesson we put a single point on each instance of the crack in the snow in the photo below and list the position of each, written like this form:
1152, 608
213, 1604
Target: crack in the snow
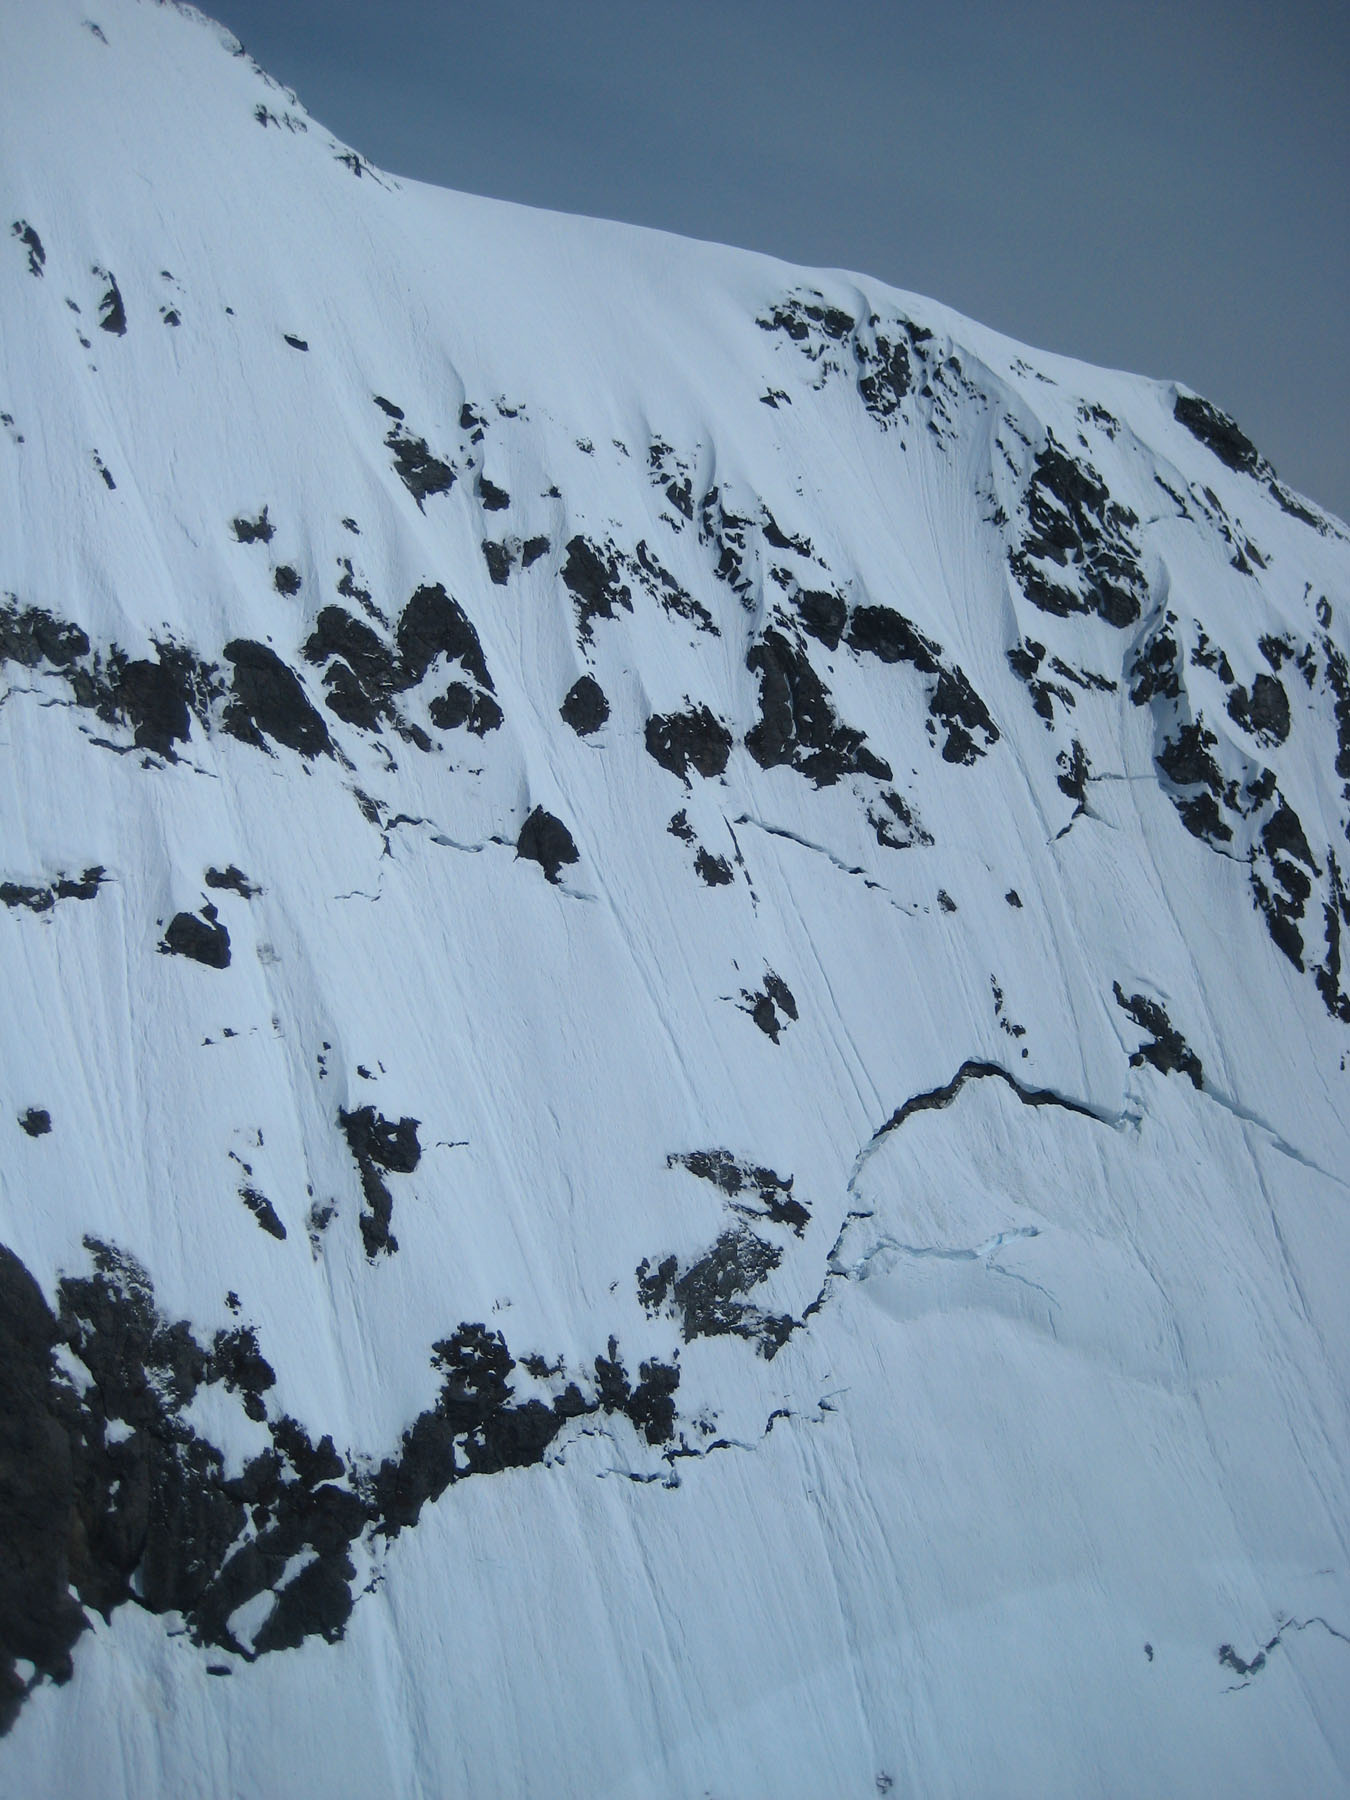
1246, 1117
985, 1254
793, 837
975, 1069
1230, 1659
835, 862
684, 1451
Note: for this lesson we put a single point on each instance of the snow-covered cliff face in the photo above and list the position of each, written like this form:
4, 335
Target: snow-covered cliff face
673, 1074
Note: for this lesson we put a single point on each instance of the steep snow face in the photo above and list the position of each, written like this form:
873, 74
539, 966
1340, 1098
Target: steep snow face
673, 1081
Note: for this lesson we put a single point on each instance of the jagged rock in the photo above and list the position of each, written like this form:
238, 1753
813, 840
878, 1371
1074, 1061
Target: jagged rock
545, 840
269, 702
585, 707
695, 739
204, 940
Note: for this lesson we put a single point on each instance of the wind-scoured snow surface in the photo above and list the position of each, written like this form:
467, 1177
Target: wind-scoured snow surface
675, 946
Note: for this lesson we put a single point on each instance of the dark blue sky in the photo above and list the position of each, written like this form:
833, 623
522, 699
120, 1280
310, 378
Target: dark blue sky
1164, 188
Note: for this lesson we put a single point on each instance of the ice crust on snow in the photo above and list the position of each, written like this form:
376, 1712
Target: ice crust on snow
674, 1080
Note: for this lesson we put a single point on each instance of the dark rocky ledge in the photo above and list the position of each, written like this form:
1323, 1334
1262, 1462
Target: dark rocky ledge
973, 1069
379, 1144
694, 739
585, 707
204, 940
1167, 1050
108, 1493
545, 840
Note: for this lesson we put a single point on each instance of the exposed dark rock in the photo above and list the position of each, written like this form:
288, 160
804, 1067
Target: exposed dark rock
1208, 655
463, 705
263, 1211
285, 580
269, 702
798, 727
881, 365
881, 632
803, 317
154, 696
362, 685
36, 1121
727, 535
420, 472
896, 824
1187, 759
112, 314
494, 499
1072, 523
823, 615
757, 1192
713, 871
43, 898
782, 540
532, 549
672, 476
388, 408
887, 377
350, 699
1338, 679
147, 1511
1074, 772
695, 739
780, 993
378, 1143
29, 636
498, 560
1296, 508
1285, 857
433, 624
772, 1008
1264, 711
351, 589
545, 840
594, 578
254, 531
204, 940
1025, 659
648, 568
710, 1294
296, 343
1217, 432
1336, 919
585, 707
40, 1619
960, 709
32, 243
390, 1143
890, 637
1167, 1050
233, 879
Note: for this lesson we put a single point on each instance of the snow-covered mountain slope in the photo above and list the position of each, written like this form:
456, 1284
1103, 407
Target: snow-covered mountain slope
673, 1081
